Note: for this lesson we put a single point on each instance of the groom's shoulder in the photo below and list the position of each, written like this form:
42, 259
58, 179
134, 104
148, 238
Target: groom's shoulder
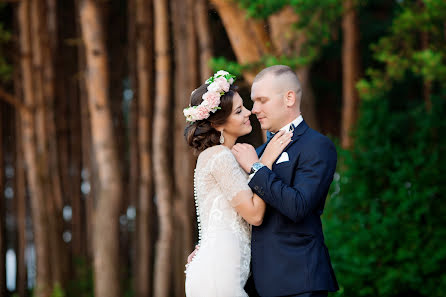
315, 138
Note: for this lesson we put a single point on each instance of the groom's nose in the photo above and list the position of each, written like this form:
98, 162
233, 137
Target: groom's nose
255, 109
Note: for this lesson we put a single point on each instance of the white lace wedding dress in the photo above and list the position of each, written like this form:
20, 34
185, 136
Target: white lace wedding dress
221, 265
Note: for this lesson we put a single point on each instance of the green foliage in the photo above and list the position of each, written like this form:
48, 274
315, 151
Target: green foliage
401, 52
82, 285
5, 67
385, 216
316, 18
318, 21
218, 63
5, 38
58, 291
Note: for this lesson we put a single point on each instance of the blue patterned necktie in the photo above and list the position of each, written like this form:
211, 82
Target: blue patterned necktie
270, 135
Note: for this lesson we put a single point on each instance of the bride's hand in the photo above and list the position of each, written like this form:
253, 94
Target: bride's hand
275, 147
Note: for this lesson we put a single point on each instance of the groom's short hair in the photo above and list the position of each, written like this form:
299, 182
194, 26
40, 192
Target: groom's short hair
282, 70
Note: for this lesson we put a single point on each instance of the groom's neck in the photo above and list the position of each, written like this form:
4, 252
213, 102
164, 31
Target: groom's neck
286, 120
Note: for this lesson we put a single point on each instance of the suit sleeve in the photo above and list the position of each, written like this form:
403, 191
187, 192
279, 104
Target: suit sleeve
313, 176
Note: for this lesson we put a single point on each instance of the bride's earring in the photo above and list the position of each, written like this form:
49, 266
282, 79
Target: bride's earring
222, 138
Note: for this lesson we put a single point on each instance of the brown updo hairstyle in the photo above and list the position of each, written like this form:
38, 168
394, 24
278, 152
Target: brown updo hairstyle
201, 134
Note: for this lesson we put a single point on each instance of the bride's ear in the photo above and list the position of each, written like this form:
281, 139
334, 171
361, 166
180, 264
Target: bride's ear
218, 128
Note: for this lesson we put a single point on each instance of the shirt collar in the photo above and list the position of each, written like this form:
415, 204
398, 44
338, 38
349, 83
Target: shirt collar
296, 123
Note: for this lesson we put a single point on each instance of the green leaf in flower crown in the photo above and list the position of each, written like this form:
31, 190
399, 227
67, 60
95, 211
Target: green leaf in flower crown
210, 80
229, 76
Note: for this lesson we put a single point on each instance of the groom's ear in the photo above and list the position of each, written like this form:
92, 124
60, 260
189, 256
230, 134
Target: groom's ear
290, 98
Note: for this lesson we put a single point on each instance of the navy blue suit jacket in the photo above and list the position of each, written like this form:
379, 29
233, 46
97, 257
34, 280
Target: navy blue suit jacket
288, 251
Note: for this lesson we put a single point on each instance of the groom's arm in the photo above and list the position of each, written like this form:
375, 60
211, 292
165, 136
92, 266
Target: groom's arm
314, 174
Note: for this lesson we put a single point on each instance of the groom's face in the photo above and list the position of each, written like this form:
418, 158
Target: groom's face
269, 104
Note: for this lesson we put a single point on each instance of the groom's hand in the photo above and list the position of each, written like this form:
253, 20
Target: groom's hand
192, 255
246, 155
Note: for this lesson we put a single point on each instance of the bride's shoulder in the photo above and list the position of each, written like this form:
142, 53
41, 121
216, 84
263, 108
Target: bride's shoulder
215, 152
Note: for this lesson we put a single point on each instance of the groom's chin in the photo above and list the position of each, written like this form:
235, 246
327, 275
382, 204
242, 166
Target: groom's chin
264, 127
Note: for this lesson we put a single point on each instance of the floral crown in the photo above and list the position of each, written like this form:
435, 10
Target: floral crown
219, 84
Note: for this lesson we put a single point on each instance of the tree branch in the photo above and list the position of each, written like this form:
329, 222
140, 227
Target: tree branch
5, 96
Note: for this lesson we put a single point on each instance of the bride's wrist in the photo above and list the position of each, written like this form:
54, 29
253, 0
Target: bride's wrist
267, 163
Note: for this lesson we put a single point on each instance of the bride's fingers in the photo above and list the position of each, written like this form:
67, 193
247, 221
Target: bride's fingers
278, 135
284, 137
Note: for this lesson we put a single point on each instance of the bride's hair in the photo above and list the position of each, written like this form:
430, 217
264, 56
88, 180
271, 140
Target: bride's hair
201, 134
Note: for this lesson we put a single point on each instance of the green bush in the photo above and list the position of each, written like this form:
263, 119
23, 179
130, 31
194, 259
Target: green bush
385, 216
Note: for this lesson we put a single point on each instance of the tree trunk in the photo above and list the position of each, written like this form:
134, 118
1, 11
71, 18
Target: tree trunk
204, 38
19, 194
288, 41
77, 205
49, 41
186, 80
133, 109
21, 283
43, 287
47, 152
106, 223
134, 170
161, 141
2, 209
88, 167
144, 68
308, 104
248, 37
350, 72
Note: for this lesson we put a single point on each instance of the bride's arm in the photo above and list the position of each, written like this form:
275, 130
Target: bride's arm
251, 207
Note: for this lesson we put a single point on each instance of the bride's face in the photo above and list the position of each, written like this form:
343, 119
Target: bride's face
238, 123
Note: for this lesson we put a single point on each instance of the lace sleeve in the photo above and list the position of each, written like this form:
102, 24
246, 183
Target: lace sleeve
230, 177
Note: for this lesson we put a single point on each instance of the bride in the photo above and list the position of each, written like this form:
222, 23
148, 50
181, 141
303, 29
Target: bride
225, 205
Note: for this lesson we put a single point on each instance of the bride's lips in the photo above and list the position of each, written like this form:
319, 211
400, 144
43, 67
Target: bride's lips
248, 122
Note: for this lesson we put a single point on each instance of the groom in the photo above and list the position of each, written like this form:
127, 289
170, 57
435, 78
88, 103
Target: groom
289, 257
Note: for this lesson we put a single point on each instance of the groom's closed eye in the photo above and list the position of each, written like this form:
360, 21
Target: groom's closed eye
260, 99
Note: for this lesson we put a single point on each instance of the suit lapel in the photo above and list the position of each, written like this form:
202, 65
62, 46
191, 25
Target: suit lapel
298, 132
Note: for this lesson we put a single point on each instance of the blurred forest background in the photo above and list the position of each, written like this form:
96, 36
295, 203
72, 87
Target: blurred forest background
96, 180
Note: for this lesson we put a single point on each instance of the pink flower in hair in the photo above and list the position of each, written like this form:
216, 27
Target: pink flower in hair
201, 112
214, 87
222, 83
211, 100
219, 84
